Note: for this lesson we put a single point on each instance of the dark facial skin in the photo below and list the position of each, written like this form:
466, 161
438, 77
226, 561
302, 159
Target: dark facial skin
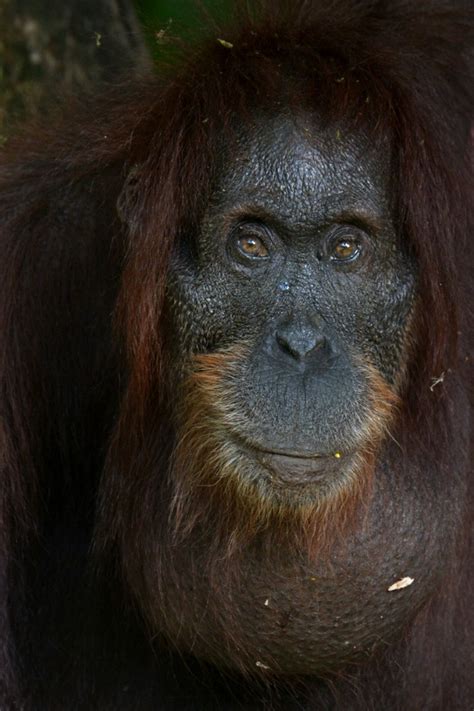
298, 260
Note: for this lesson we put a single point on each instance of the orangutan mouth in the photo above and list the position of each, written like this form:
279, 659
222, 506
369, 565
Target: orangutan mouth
301, 468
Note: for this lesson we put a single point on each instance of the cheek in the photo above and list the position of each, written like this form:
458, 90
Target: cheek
197, 313
371, 313
385, 325
210, 312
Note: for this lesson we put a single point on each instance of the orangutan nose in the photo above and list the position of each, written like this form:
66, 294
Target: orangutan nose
301, 340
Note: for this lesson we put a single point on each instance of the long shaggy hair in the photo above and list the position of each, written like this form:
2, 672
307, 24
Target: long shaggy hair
89, 215
382, 67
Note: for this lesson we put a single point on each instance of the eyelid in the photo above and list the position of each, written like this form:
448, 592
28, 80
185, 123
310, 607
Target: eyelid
251, 224
356, 224
352, 229
369, 227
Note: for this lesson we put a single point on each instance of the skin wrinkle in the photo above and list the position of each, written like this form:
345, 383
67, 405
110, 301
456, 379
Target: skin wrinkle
293, 161
345, 305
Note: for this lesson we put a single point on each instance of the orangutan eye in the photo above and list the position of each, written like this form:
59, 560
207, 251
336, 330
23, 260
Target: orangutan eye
252, 246
344, 248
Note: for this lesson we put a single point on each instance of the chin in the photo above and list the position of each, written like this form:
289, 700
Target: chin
288, 480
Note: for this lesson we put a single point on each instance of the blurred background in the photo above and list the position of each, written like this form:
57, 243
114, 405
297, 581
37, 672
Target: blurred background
183, 13
50, 49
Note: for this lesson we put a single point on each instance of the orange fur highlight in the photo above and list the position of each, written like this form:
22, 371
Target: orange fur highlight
207, 472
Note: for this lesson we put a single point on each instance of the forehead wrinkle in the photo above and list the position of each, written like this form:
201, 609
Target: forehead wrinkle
294, 178
309, 173
279, 172
299, 207
336, 208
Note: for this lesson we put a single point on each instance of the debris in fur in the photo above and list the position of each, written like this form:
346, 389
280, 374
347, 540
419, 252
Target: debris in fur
400, 584
436, 381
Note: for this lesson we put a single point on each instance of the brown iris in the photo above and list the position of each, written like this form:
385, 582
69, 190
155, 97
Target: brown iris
252, 246
345, 250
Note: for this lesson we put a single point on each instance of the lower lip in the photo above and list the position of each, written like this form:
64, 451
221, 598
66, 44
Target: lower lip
299, 470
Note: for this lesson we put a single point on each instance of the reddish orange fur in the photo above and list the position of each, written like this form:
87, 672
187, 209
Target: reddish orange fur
207, 484
66, 400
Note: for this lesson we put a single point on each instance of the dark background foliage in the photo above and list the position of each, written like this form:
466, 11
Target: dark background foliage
55, 48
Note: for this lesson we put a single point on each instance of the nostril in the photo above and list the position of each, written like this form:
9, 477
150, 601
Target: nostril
286, 346
299, 344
